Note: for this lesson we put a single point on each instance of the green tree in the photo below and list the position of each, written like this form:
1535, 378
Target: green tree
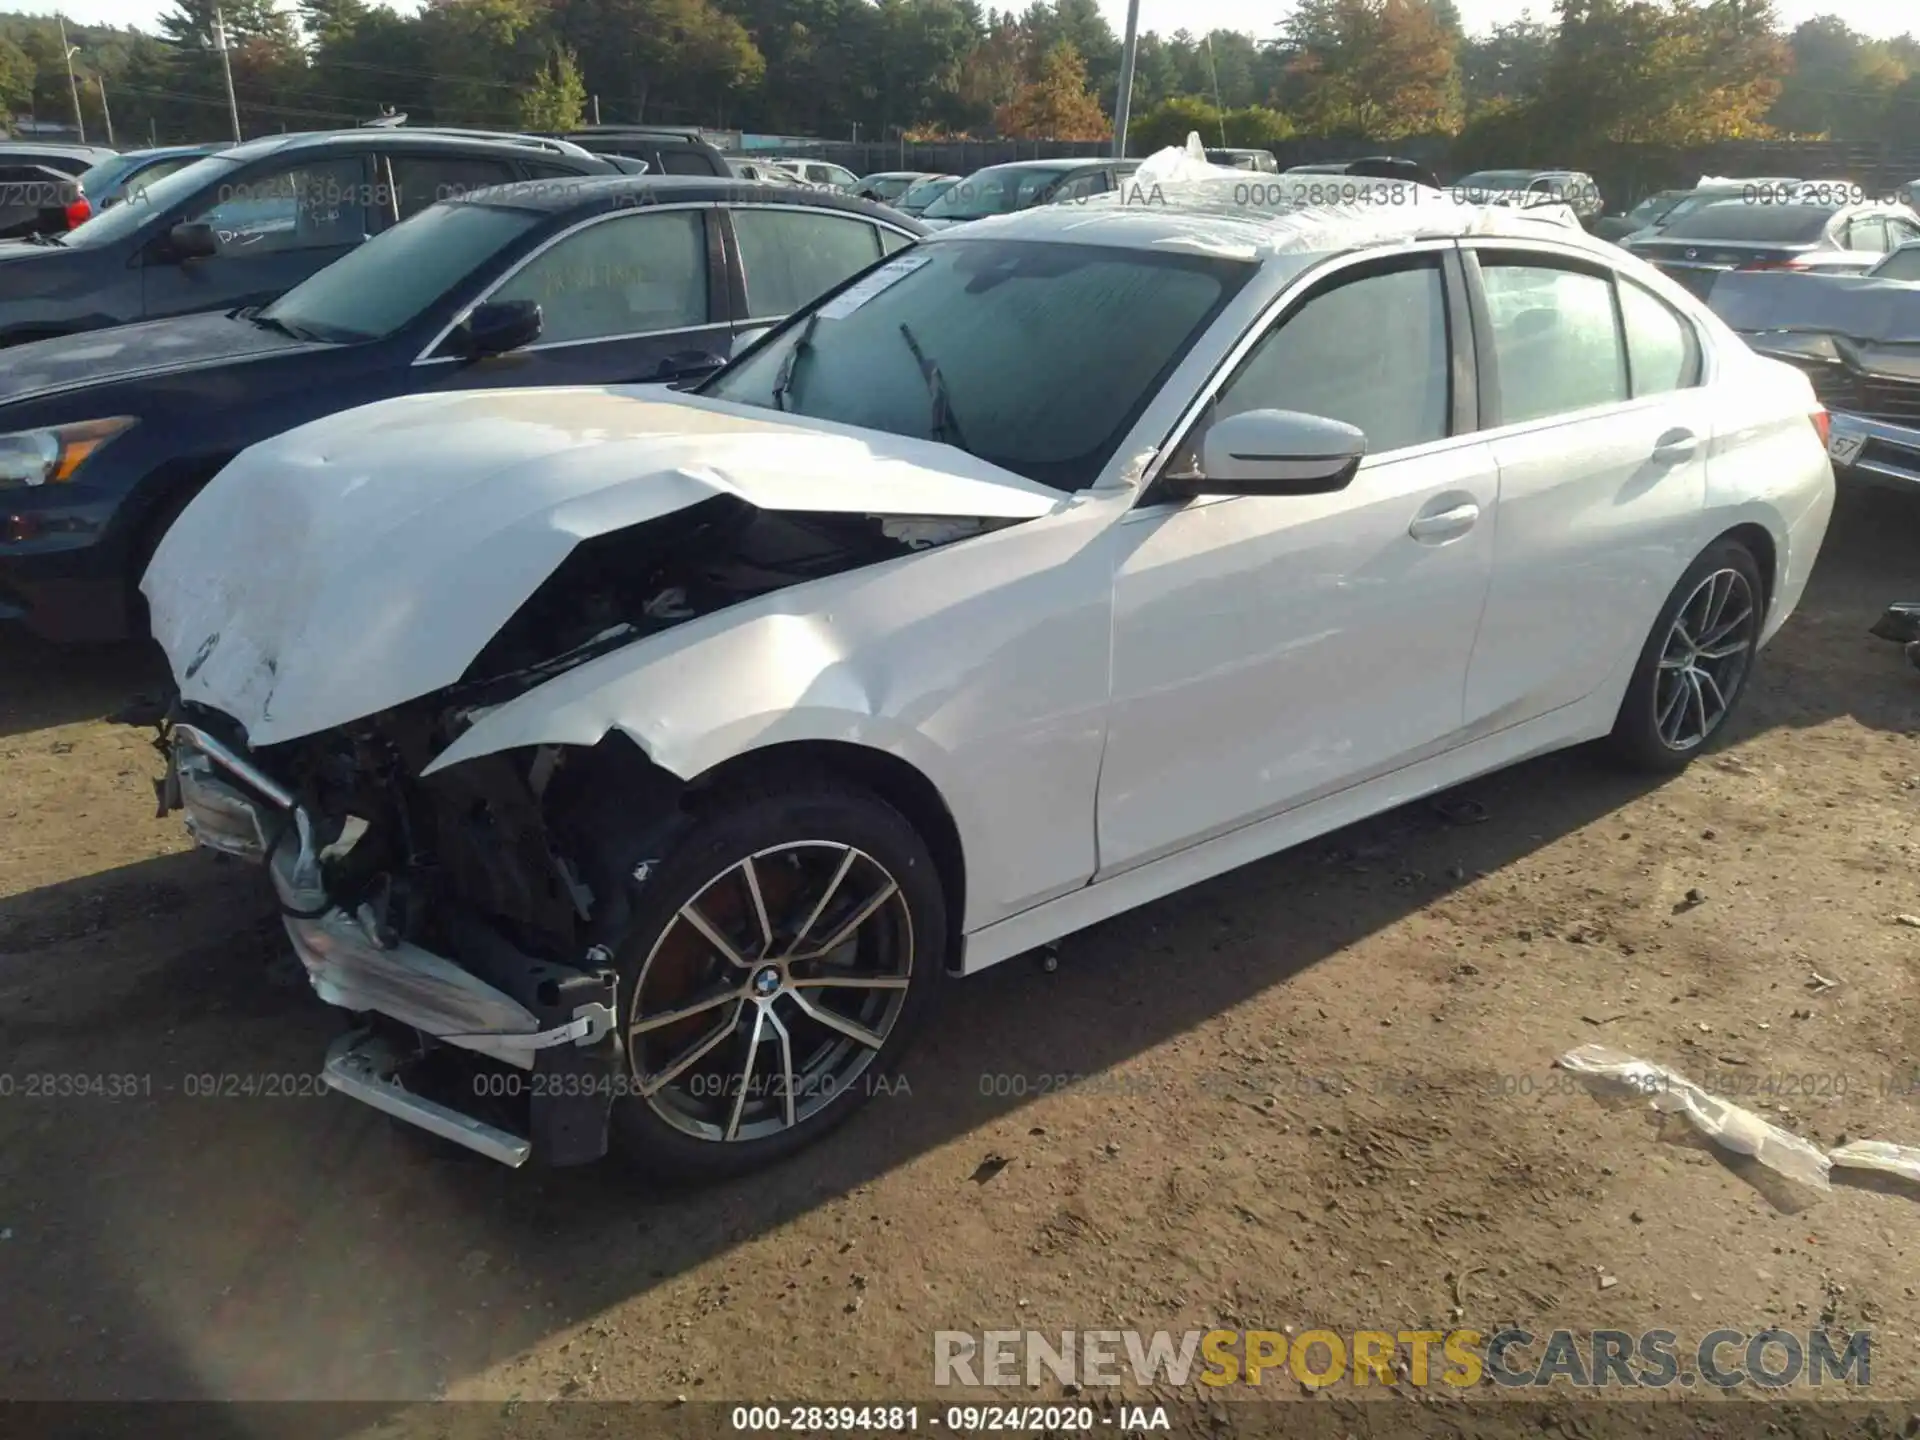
1056, 104
556, 98
1842, 82
1378, 68
16, 76
1507, 63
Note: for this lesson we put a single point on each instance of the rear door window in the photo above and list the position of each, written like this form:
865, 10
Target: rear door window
421, 180
790, 257
1556, 343
1663, 353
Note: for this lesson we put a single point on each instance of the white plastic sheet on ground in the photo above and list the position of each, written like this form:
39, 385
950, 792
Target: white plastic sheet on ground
1722, 1122
1881, 1155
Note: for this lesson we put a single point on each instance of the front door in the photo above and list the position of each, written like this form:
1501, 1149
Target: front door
277, 222
628, 298
1269, 650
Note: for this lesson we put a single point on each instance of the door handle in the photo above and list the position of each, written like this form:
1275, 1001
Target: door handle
1674, 446
1446, 524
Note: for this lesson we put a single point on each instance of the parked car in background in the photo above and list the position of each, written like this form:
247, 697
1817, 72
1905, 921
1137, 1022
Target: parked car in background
1573, 188
244, 225
1857, 337
1735, 234
1062, 562
763, 173
1261, 160
1372, 167
889, 186
38, 189
1663, 207
822, 173
923, 194
595, 281
113, 179
1003, 189
664, 149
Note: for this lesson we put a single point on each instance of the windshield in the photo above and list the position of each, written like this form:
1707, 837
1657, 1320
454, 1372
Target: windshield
1738, 220
1655, 208
104, 176
386, 284
890, 187
1037, 357
1902, 264
927, 191
994, 191
1497, 180
113, 225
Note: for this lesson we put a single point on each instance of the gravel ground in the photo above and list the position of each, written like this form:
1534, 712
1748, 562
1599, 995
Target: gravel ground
1316, 1092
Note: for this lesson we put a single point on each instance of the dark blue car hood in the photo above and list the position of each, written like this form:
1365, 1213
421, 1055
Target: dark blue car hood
131, 352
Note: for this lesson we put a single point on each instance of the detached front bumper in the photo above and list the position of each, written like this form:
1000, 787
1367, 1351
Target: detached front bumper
561, 1023
1875, 451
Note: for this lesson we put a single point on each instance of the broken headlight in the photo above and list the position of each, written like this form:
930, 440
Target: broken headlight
53, 455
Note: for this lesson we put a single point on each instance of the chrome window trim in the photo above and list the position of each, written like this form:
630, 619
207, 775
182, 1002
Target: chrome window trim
427, 357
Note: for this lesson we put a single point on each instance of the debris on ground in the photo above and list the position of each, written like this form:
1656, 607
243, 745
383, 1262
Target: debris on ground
1881, 1155
1817, 982
988, 1168
1456, 810
1912, 922
1726, 1124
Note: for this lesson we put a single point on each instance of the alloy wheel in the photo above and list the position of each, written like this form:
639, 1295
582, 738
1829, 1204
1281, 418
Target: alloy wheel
771, 991
1704, 660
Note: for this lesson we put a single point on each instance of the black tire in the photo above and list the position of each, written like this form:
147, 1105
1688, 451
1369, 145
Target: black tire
1638, 739
804, 815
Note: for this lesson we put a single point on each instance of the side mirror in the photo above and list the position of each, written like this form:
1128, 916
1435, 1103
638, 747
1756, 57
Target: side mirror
1278, 452
192, 240
502, 325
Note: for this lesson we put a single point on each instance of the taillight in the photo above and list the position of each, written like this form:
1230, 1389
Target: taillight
78, 213
1822, 423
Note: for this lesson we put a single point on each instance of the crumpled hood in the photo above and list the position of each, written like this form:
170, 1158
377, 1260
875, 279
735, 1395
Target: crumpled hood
365, 559
1754, 301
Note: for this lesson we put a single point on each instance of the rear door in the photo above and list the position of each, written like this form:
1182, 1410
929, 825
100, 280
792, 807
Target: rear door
788, 255
626, 297
1601, 430
276, 221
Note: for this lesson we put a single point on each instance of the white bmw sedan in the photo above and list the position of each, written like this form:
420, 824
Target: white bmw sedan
660, 756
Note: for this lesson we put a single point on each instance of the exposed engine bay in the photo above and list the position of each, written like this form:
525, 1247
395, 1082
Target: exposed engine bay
479, 907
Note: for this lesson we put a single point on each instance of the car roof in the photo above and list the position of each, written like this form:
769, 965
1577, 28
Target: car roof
1208, 217
1062, 164
28, 149
367, 137
587, 194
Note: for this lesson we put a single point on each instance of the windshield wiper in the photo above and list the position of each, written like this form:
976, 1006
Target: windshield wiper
271, 322
44, 238
783, 382
945, 426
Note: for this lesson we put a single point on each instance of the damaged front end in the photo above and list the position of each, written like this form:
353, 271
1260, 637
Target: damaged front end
380, 880
471, 916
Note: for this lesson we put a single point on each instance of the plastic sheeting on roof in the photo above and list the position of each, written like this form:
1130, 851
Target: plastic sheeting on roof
1282, 214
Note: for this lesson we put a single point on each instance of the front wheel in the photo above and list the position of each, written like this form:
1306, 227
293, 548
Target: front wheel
1694, 667
775, 967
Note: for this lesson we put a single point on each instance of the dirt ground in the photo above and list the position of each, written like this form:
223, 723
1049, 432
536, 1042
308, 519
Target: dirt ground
1318, 1093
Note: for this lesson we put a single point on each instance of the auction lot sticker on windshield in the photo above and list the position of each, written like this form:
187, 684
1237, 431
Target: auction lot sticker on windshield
852, 298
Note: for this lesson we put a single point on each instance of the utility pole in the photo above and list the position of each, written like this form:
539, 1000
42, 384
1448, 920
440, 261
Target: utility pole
596, 109
226, 68
1123, 98
108, 114
73, 85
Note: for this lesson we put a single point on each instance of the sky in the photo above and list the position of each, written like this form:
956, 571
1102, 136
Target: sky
1259, 17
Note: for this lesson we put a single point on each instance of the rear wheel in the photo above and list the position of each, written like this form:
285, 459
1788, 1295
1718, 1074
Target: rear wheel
1695, 665
774, 969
